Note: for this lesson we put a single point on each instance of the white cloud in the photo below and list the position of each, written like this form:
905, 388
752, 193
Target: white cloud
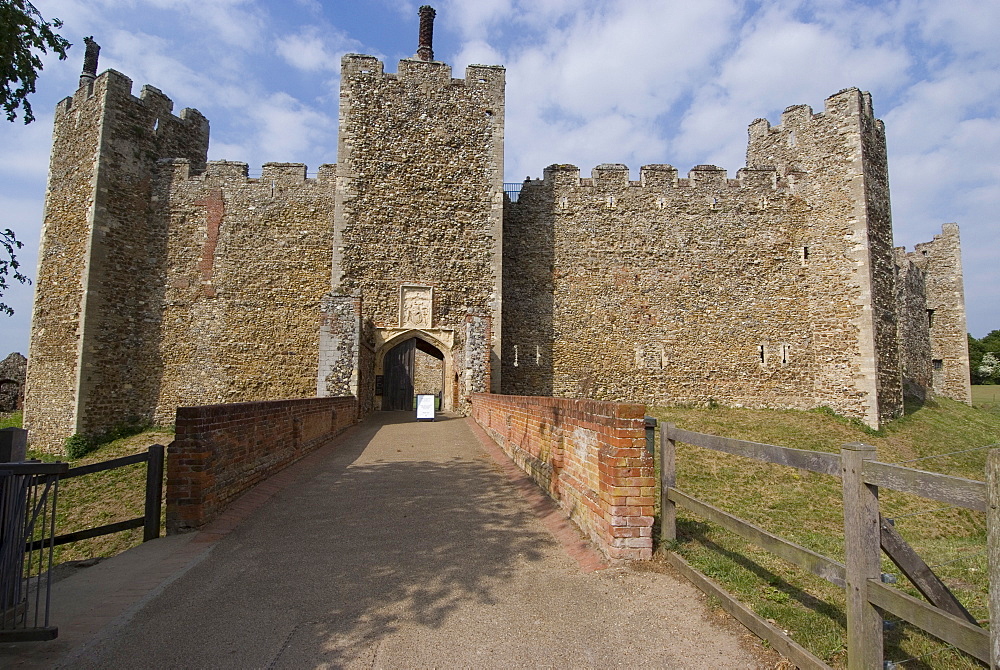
310, 51
285, 127
26, 152
473, 19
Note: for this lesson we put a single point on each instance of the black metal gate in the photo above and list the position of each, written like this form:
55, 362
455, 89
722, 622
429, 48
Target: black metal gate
27, 525
398, 369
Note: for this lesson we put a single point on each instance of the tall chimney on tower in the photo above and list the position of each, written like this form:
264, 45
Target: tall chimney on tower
89, 73
425, 51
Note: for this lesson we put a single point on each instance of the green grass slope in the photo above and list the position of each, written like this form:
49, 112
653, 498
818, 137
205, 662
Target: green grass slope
806, 508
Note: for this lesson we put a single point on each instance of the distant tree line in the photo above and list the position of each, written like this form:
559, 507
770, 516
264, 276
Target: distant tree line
984, 358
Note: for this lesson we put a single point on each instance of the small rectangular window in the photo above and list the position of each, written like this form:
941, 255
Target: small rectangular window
760, 353
938, 364
930, 318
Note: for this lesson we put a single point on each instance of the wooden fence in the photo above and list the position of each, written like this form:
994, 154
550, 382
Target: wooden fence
866, 534
150, 519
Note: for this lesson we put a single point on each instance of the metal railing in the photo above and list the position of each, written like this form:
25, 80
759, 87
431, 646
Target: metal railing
513, 190
28, 497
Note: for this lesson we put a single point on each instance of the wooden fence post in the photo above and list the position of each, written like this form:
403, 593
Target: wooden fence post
862, 553
668, 479
993, 550
154, 492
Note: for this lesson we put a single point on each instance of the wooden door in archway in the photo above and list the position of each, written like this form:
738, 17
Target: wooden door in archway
398, 376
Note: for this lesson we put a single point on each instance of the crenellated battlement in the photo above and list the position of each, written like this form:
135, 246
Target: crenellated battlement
150, 98
359, 67
845, 103
658, 178
284, 174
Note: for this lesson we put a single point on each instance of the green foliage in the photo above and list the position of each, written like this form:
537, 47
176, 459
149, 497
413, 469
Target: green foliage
79, 445
9, 264
24, 34
984, 358
11, 420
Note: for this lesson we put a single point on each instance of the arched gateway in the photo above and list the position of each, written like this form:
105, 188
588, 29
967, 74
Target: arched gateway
413, 363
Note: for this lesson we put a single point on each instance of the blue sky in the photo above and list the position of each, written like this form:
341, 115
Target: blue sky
588, 82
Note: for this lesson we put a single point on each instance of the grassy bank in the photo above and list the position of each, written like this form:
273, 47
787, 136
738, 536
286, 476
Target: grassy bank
986, 398
104, 497
806, 508
10, 419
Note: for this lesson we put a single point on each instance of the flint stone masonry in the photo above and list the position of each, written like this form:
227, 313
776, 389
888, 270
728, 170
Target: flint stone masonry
421, 173
914, 321
13, 371
941, 262
222, 451
165, 279
589, 456
247, 269
97, 312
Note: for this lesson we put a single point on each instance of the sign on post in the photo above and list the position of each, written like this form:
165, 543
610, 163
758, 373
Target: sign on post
425, 407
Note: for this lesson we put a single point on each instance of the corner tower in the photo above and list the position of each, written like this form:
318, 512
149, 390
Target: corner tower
93, 354
417, 241
836, 161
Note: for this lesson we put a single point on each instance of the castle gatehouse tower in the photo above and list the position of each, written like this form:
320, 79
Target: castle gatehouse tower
416, 282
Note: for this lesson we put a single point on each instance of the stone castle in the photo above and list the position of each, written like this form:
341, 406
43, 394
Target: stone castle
168, 280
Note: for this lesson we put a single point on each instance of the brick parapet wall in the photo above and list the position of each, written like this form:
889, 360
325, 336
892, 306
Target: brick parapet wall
588, 455
221, 451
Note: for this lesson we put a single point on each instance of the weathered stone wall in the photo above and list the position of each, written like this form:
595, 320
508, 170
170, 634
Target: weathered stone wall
339, 345
914, 330
664, 290
774, 289
13, 371
51, 390
589, 456
941, 262
420, 197
837, 161
428, 373
222, 451
248, 264
95, 327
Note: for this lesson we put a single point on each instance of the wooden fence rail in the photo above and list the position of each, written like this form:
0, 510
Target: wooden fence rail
866, 535
150, 519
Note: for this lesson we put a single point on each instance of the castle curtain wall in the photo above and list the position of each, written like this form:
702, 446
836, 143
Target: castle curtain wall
774, 289
165, 280
248, 265
941, 262
838, 161
662, 290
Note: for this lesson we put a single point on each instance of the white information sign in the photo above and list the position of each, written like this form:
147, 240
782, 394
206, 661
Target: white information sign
425, 407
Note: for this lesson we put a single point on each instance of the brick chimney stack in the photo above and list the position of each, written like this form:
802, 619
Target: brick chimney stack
425, 51
89, 73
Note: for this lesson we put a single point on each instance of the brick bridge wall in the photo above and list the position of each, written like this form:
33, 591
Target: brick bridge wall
222, 451
588, 455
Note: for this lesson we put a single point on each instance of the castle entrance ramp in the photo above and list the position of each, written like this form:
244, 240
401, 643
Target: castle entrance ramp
403, 544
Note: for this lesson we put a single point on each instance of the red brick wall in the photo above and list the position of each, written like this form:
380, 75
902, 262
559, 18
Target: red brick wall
221, 451
589, 455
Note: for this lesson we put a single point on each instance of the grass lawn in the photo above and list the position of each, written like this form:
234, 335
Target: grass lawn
806, 508
104, 497
986, 398
10, 419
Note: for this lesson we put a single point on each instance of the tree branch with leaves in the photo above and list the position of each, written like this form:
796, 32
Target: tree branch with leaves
24, 35
9, 267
